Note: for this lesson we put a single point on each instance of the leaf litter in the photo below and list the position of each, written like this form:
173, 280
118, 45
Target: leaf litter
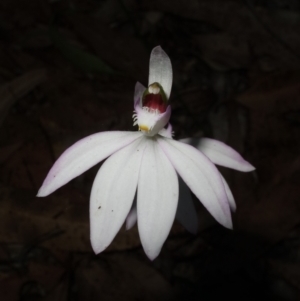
236, 78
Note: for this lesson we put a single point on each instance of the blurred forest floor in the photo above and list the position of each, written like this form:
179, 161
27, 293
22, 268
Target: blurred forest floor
68, 69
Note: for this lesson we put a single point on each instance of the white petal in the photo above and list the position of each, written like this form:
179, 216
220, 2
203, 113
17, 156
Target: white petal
82, 155
160, 70
131, 217
139, 90
229, 195
201, 176
186, 213
157, 199
113, 192
168, 133
220, 153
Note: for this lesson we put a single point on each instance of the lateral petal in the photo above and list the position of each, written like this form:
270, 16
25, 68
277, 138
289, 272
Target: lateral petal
186, 213
220, 153
201, 176
113, 192
168, 133
82, 155
131, 217
139, 89
157, 198
160, 70
229, 195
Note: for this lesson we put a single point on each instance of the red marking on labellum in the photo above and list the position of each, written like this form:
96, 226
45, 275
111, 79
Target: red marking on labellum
155, 102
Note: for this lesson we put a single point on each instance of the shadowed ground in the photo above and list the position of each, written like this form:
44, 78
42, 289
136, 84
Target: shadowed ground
68, 69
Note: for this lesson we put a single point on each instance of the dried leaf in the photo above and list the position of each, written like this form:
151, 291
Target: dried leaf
82, 59
114, 277
7, 150
275, 91
223, 51
267, 34
18, 88
124, 53
58, 222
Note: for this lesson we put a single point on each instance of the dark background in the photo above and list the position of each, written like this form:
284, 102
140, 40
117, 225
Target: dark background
68, 69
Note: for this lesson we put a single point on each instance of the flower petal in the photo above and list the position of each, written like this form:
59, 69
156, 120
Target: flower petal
152, 122
168, 133
160, 70
131, 217
201, 176
229, 195
139, 90
82, 155
220, 153
113, 192
186, 213
157, 199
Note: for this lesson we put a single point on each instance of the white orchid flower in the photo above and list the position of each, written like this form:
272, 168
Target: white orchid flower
146, 164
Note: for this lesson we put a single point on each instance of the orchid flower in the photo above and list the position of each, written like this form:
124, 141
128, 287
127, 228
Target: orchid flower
146, 165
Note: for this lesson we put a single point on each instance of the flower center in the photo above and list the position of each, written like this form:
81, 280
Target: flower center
152, 113
154, 102
154, 98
